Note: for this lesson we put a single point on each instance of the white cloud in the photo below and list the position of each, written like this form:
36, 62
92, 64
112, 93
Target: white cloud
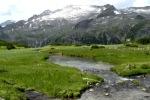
141, 3
23, 9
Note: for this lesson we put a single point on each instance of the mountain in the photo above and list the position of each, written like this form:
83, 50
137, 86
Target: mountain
8, 22
80, 24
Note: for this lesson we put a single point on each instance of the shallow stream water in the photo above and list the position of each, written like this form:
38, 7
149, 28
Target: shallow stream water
114, 86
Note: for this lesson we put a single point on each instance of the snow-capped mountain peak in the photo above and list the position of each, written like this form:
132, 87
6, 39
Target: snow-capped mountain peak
46, 12
74, 12
66, 24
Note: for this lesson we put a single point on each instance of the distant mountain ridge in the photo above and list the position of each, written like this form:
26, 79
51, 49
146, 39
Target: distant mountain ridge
8, 22
80, 24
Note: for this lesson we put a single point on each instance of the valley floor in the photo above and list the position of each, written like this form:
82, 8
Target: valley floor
25, 70
128, 61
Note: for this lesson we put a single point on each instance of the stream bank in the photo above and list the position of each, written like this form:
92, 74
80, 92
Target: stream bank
114, 87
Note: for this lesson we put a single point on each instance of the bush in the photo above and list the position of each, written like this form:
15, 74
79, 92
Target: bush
131, 45
145, 40
94, 47
77, 45
3, 43
145, 66
147, 53
46, 57
20, 45
10, 46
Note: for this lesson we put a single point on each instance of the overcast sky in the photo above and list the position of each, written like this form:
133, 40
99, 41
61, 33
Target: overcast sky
23, 9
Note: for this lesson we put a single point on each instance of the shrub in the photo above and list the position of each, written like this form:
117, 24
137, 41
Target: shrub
52, 48
46, 57
94, 47
3, 43
145, 40
147, 53
145, 66
78, 45
131, 45
10, 46
21, 45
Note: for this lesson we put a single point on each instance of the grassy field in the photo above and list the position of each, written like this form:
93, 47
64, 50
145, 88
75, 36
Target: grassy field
25, 69
128, 61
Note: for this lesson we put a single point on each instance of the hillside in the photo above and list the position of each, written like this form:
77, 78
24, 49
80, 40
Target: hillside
80, 25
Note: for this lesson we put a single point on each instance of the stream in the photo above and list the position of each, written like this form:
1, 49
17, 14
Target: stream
114, 87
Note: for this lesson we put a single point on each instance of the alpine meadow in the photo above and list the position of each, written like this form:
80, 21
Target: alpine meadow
77, 50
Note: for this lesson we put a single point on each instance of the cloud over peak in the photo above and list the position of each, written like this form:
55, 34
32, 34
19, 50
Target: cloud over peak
22, 9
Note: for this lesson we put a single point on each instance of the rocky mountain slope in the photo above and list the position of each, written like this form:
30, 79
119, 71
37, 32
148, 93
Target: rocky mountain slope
80, 24
8, 22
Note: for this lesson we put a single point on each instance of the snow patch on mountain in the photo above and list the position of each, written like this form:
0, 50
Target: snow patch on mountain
74, 12
117, 12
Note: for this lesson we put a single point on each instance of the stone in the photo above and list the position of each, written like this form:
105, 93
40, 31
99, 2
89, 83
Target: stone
97, 84
106, 87
143, 89
2, 98
91, 90
106, 94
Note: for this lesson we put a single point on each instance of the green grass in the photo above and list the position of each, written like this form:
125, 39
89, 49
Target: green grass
111, 54
118, 55
24, 69
130, 70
